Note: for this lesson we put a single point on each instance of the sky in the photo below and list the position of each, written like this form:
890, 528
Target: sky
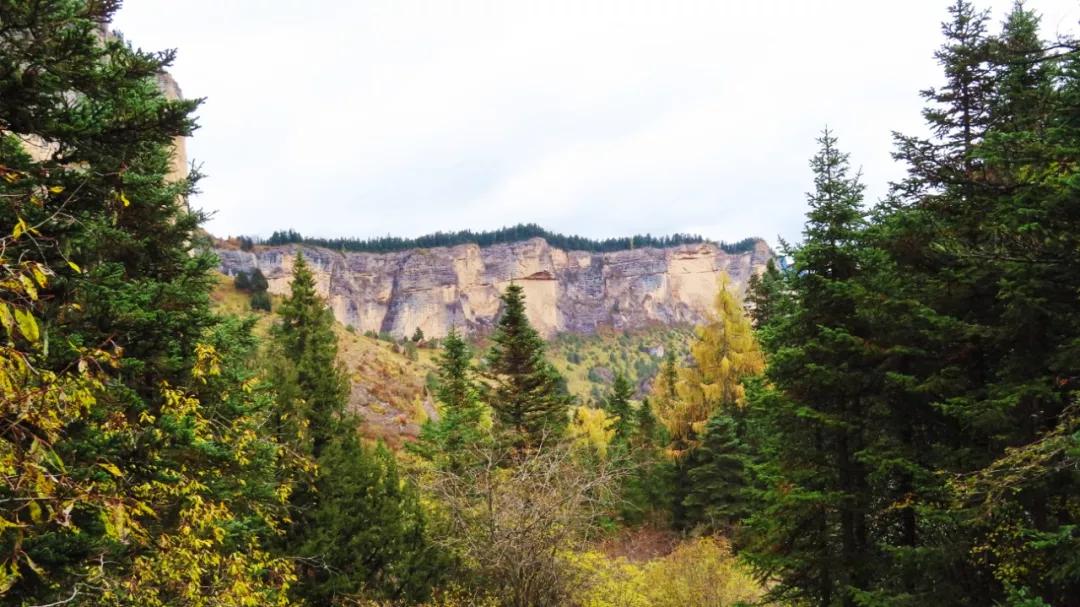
593, 117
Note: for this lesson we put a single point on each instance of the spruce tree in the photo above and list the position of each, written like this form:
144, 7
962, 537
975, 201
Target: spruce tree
450, 440
357, 528
304, 337
528, 401
129, 452
618, 404
257, 281
717, 497
762, 295
366, 537
813, 527
242, 282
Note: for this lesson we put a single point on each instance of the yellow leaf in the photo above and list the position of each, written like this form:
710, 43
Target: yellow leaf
124, 199
35, 511
39, 276
27, 325
20, 227
28, 286
74, 266
111, 468
6, 319
56, 189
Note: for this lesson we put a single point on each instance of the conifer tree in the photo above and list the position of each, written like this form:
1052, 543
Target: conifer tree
717, 477
618, 404
527, 398
449, 440
358, 529
367, 535
305, 338
645, 420
762, 295
724, 354
130, 451
242, 282
813, 525
257, 281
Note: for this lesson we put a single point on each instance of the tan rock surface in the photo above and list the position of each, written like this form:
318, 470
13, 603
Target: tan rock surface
434, 289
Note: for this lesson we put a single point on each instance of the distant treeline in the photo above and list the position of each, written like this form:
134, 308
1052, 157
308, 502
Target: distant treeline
518, 233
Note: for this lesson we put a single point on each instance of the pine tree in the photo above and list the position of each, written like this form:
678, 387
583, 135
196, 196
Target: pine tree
813, 526
716, 472
527, 399
451, 440
305, 338
618, 404
418, 335
128, 450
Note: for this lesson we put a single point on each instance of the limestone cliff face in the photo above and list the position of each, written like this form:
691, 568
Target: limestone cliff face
435, 289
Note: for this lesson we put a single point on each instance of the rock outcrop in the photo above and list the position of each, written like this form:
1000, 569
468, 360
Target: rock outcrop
435, 289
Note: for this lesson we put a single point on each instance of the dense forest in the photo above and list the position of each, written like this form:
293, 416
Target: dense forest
890, 418
518, 233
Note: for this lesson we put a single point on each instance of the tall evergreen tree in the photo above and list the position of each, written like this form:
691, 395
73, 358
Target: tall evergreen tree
305, 338
527, 398
129, 454
762, 294
459, 429
814, 526
357, 528
718, 480
618, 404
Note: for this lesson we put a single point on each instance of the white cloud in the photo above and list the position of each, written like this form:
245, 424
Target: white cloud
600, 118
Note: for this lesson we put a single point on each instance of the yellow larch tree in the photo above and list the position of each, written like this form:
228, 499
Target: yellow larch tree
724, 354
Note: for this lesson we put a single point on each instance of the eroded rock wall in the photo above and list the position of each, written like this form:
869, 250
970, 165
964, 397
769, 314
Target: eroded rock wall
435, 289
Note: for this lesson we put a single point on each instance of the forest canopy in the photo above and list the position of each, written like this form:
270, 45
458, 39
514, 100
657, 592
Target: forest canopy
517, 233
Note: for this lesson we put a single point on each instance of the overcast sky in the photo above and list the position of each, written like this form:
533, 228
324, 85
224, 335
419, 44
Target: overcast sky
593, 117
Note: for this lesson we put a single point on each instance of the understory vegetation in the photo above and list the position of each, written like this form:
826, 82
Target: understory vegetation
887, 418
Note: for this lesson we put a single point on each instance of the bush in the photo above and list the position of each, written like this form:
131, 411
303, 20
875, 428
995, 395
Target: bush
242, 282
701, 571
260, 300
258, 281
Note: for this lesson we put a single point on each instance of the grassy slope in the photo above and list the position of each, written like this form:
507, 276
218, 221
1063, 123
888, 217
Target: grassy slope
590, 362
388, 389
391, 391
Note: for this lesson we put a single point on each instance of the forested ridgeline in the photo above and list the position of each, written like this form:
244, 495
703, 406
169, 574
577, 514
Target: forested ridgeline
889, 419
517, 233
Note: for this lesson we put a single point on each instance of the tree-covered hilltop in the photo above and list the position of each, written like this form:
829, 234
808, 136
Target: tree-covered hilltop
517, 233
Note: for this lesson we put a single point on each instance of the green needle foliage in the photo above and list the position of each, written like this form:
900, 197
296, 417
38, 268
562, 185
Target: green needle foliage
452, 440
529, 401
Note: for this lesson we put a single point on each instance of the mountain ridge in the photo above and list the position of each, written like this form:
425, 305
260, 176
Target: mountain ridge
437, 288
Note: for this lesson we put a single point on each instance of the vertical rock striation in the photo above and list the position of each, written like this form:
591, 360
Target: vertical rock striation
579, 291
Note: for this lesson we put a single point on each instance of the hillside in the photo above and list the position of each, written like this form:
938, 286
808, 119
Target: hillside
390, 381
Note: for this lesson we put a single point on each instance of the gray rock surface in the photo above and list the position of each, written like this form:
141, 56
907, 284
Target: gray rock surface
578, 291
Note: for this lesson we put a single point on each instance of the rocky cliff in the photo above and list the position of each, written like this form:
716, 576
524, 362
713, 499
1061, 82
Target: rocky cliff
435, 289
